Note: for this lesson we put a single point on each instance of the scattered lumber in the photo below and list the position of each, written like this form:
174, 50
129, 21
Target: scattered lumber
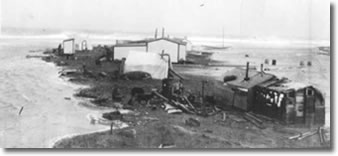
184, 108
189, 103
254, 122
160, 96
303, 135
262, 117
307, 135
174, 103
255, 118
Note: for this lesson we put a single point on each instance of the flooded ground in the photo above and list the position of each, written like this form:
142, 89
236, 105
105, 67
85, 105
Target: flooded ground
34, 85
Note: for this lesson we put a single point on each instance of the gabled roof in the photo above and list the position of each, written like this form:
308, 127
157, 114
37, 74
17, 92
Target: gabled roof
130, 45
177, 41
144, 42
256, 78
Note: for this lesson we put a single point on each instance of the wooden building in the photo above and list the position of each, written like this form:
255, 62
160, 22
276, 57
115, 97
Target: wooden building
174, 47
290, 102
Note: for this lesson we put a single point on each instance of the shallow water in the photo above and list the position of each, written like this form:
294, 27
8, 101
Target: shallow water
35, 85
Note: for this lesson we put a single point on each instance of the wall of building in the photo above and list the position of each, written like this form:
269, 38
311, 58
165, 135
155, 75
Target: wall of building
68, 47
183, 52
0, 18
122, 52
168, 47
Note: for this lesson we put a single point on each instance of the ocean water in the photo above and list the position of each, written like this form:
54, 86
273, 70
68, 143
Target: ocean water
34, 85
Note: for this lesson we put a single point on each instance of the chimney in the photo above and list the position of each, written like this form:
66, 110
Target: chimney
247, 72
156, 33
262, 70
162, 32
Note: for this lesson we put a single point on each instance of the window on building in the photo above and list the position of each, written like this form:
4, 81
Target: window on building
309, 92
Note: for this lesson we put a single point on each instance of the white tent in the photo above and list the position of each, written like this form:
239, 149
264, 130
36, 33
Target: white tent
151, 63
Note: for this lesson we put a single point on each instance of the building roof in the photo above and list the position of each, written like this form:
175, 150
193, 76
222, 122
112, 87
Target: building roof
256, 78
174, 40
70, 39
139, 43
128, 44
283, 86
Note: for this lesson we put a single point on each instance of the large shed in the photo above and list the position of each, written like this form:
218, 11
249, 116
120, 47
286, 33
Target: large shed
174, 47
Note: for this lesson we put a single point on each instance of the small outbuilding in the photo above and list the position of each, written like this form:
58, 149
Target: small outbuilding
243, 83
290, 102
69, 46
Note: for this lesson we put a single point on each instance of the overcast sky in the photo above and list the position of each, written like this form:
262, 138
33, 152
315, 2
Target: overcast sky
262, 18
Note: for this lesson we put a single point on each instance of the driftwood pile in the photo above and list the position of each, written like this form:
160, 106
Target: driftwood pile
185, 105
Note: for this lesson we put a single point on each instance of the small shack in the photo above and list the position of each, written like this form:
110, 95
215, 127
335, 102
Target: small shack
69, 46
154, 64
243, 86
174, 47
290, 102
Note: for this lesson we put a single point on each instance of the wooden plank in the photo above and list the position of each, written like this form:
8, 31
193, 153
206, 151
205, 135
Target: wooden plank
255, 118
189, 103
254, 122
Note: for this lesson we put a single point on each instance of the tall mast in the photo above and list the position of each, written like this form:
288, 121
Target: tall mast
223, 36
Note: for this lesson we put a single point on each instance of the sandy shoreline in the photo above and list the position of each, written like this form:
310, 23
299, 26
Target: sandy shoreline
55, 141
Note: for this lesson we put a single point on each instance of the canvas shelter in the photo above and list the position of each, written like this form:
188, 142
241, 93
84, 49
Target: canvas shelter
290, 102
152, 63
243, 92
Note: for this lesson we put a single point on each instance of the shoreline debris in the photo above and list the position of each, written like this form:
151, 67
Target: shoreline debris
21, 110
258, 124
318, 131
192, 122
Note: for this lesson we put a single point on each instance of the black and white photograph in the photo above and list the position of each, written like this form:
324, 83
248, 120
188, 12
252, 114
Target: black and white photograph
171, 74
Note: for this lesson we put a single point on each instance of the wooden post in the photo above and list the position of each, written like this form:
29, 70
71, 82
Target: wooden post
155, 34
203, 104
247, 72
20, 110
163, 33
111, 128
